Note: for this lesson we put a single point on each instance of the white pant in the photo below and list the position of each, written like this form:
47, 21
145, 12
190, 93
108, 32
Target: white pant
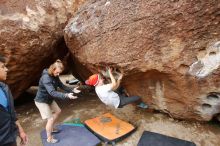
47, 109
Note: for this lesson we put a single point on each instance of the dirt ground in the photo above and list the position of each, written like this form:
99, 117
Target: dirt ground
89, 106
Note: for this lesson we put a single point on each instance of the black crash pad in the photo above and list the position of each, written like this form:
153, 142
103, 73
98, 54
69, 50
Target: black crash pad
156, 139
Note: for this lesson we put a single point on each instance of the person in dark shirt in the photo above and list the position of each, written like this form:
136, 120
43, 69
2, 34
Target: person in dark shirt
47, 91
9, 124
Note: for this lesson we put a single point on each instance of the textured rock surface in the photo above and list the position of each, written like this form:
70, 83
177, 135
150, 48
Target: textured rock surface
31, 37
169, 50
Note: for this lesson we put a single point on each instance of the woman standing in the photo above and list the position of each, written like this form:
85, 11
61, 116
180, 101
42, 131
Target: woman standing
47, 91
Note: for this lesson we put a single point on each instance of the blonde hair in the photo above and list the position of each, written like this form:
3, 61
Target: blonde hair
57, 64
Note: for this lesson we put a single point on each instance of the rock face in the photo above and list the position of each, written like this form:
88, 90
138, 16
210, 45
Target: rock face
31, 37
169, 50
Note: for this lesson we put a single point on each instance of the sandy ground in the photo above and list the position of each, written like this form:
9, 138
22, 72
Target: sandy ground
89, 106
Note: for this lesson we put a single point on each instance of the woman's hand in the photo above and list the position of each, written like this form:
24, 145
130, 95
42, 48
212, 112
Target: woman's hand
71, 96
76, 90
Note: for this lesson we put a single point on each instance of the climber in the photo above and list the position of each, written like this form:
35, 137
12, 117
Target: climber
111, 94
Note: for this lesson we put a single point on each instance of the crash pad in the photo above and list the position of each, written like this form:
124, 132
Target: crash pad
155, 139
70, 135
109, 128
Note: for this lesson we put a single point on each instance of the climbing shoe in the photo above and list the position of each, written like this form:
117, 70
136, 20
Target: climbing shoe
143, 105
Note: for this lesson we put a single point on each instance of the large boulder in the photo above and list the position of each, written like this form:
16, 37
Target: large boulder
31, 37
169, 50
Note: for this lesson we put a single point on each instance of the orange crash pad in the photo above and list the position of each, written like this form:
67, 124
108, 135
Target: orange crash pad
109, 128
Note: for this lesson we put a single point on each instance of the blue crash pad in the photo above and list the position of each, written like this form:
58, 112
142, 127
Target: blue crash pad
72, 136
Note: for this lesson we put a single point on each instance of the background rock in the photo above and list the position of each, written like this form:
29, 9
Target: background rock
31, 37
164, 47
